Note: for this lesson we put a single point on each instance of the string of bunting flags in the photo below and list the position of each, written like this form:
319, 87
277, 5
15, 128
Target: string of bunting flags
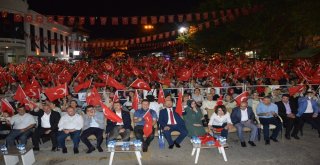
133, 20
134, 41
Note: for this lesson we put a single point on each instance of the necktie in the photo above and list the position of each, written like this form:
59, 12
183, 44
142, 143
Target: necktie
171, 117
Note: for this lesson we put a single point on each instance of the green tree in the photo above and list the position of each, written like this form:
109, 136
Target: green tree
282, 27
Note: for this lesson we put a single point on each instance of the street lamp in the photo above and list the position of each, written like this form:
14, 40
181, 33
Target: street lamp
182, 30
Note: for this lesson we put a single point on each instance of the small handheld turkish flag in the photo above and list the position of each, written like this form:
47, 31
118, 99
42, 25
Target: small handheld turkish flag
140, 84
147, 128
242, 97
108, 114
57, 92
161, 99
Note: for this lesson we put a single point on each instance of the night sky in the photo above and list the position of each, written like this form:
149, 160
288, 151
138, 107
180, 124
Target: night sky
117, 8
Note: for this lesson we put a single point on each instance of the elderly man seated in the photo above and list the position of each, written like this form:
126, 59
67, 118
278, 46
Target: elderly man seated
70, 124
243, 116
23, 124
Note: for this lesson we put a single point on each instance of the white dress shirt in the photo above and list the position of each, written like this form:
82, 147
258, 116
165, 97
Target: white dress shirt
244, 115
70, 122
45, 120
309, 107
94, 123
219, 121
21, 122
169, 118
156, 107
120, 115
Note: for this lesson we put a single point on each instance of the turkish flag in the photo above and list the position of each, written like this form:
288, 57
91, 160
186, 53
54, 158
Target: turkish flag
295, 89
108, 114
6, 107
114, 83
84, 85
147, 128
56, 92
140, 84
179, 103
165, 81
30, 104
135, 101
93, 97
184, 75
64, 76
32, 91
203, 73
99, 85
136, 71
20, 95
242, 97
161, 96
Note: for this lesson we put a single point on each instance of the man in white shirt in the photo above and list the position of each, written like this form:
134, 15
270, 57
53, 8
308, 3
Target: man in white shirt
70, 124
22, 124
47, 125
208, 105
243, 116
94, 123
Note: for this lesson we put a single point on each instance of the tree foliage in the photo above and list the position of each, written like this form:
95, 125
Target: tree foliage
282, 27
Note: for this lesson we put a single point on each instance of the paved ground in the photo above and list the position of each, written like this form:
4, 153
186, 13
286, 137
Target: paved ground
301, 152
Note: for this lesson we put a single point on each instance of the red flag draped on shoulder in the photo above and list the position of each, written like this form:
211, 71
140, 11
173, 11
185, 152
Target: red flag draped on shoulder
147, 128
161, 99
6, 107
108, 114
140, 84
56, 92
84, 85
179, 103
93, 97
242, 97
135, 101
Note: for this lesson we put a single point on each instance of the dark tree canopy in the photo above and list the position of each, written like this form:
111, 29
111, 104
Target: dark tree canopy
281, 28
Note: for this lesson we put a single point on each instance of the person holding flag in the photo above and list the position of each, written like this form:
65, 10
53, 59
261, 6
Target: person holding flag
170, 121
145, 119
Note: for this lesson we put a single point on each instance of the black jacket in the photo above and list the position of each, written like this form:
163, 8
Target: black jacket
282, 109
126, 122
54, 118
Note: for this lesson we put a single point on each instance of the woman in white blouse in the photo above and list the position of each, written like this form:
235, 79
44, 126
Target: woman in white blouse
220, 119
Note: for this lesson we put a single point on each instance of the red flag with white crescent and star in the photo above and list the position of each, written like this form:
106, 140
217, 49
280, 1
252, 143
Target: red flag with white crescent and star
140, 84
6, 107
179, 103
242, 97
56, 92
161, 99
147, 128
108, 114
93, 97
135, 101
20, 95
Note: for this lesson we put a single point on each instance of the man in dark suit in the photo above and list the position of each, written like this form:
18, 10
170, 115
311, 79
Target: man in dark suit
114, 129
170, 121
243, 116
287, 111
47, 124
